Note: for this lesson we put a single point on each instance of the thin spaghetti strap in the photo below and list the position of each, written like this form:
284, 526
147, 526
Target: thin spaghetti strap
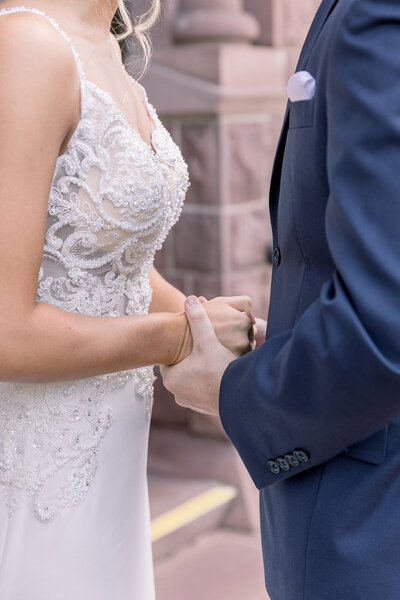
15, 9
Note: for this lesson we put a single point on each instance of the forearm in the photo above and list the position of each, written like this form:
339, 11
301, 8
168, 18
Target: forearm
312, 388
166, 297
48, 344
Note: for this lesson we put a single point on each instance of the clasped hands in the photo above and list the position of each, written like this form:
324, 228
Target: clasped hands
218, 332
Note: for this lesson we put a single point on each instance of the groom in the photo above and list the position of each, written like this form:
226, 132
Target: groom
314, 411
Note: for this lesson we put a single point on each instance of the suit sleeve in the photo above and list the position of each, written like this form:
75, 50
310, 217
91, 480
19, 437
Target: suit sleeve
334, 379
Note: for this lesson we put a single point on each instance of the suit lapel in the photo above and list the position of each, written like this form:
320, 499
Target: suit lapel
325, 9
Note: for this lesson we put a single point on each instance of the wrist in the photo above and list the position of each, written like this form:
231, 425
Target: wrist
181, 342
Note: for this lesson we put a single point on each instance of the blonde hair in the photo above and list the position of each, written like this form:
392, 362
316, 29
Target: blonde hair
141, 27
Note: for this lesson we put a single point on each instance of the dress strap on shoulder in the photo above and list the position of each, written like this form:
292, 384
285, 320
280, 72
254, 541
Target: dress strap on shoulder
15, 9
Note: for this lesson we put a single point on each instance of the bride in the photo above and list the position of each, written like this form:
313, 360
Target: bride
91, 183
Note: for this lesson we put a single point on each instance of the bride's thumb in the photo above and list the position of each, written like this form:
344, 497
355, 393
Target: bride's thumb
200, 325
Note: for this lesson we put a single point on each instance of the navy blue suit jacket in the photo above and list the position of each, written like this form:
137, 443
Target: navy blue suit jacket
314, 412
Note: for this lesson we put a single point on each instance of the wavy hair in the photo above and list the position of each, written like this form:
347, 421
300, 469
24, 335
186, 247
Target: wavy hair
140, 28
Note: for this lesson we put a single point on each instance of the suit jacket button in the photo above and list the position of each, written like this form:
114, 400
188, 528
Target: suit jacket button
277, 256
301, 455
292, 460
273, 467
283, 464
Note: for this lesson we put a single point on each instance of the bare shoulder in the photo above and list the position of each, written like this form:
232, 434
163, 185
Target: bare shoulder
29, 38
36, 63
34, 31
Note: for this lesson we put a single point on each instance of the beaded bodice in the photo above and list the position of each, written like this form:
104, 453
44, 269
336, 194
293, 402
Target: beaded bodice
112, 202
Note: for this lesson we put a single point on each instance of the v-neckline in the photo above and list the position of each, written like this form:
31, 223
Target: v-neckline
111, 101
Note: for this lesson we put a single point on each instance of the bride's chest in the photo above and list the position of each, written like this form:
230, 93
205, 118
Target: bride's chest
112, 182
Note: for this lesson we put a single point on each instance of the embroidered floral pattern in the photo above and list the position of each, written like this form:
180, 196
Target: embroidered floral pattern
112, 203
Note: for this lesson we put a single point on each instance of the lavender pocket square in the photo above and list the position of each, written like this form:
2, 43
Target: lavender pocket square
301, 86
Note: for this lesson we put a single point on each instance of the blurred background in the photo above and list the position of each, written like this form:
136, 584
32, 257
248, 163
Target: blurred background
218, 80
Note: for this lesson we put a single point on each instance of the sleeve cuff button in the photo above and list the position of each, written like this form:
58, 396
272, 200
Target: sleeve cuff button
292, 460
273, 467
283, 464
301, 455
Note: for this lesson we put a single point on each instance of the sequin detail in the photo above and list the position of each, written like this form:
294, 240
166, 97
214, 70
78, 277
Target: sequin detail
112, 202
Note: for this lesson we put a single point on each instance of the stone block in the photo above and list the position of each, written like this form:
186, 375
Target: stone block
253, 282
230, 162
164, 258
173, 126
179, 453
161, 259
200, 150
166, 412
249, 236
283, 22
206, 425
263, 12
207, 285
175, 94
218, 21
228, 65
247, 153
292, 20
161, 32
197, 242
177, 280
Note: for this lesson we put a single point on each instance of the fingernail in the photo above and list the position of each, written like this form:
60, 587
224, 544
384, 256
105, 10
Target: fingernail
192, 301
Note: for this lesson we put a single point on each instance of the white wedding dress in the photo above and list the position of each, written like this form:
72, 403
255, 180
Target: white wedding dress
74, 513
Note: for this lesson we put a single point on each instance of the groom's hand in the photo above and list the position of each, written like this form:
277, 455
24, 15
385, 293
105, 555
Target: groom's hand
195, 382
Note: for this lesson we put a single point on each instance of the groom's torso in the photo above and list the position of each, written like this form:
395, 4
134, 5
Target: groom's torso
299, 187
318, 527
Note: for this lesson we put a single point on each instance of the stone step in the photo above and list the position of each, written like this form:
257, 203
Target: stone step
219, 565
182, 509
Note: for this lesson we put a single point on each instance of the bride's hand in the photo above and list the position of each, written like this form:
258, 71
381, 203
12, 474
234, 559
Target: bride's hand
233, 322
261, 326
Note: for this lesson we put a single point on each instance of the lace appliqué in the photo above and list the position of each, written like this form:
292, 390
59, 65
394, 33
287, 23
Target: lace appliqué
145, 379
50, 435
112, 202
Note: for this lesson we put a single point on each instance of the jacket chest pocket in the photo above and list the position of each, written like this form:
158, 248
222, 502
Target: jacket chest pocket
301, 114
